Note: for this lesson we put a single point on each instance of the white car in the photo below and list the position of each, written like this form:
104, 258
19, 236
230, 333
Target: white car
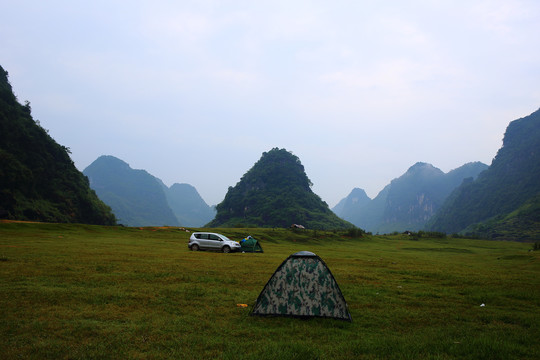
212, 241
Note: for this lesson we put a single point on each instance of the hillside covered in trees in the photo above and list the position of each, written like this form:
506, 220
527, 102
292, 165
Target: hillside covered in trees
504, 201
38, 180
275, 192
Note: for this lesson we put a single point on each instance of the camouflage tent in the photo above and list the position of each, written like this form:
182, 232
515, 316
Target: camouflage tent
302, 286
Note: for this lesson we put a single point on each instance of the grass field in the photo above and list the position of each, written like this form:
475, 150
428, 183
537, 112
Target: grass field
90, 292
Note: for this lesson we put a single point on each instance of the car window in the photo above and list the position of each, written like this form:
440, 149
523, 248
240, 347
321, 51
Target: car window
204, 236
198, 236
213, 237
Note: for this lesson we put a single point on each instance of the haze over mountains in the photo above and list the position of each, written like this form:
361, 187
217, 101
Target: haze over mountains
501, 201
38, 181
188, 206
504, 201
140, 199
408, 202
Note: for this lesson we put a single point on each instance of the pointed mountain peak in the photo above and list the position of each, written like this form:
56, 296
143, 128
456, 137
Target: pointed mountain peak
275, 192
110, 161
285, 168
359, 194
423, 169
421, 166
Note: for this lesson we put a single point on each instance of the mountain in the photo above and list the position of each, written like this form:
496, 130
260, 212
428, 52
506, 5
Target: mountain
135, 196
409, 201
188, 206
348, 206
522, 224
38, 180
505, 194
275, 192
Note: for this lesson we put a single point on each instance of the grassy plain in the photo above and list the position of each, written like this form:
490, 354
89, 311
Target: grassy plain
90, 292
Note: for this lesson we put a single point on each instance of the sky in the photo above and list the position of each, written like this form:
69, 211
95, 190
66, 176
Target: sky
195, 91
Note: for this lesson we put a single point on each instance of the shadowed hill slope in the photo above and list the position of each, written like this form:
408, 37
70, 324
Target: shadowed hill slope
38, 180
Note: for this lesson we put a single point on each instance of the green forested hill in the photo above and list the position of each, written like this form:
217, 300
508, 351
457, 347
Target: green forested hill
275, 192
38, 180
502, 200
522, 224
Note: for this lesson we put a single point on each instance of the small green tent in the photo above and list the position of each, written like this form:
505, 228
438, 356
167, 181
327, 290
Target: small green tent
250, 244
302, 286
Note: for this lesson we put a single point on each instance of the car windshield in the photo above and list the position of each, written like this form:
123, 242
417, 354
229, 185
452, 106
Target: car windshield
224, 237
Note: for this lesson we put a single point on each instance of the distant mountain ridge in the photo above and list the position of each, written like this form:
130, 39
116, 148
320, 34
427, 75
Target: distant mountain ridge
347, 207
188, 206
408, 202
135, 196
38, 180
275, 192
505, 195
140, 199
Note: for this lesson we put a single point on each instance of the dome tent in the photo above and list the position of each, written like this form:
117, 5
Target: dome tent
250, 244
302, 286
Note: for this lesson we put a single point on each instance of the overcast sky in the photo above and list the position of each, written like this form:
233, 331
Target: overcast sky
195, 91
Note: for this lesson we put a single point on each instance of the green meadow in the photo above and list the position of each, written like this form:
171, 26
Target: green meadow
92, 292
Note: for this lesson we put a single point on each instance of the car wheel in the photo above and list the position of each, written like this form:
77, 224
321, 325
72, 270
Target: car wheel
226, 249
194, 247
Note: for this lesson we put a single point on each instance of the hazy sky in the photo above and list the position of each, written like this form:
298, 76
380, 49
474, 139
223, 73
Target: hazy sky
195, 91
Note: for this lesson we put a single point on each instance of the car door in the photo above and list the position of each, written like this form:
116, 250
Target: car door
214, 242
203, 241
